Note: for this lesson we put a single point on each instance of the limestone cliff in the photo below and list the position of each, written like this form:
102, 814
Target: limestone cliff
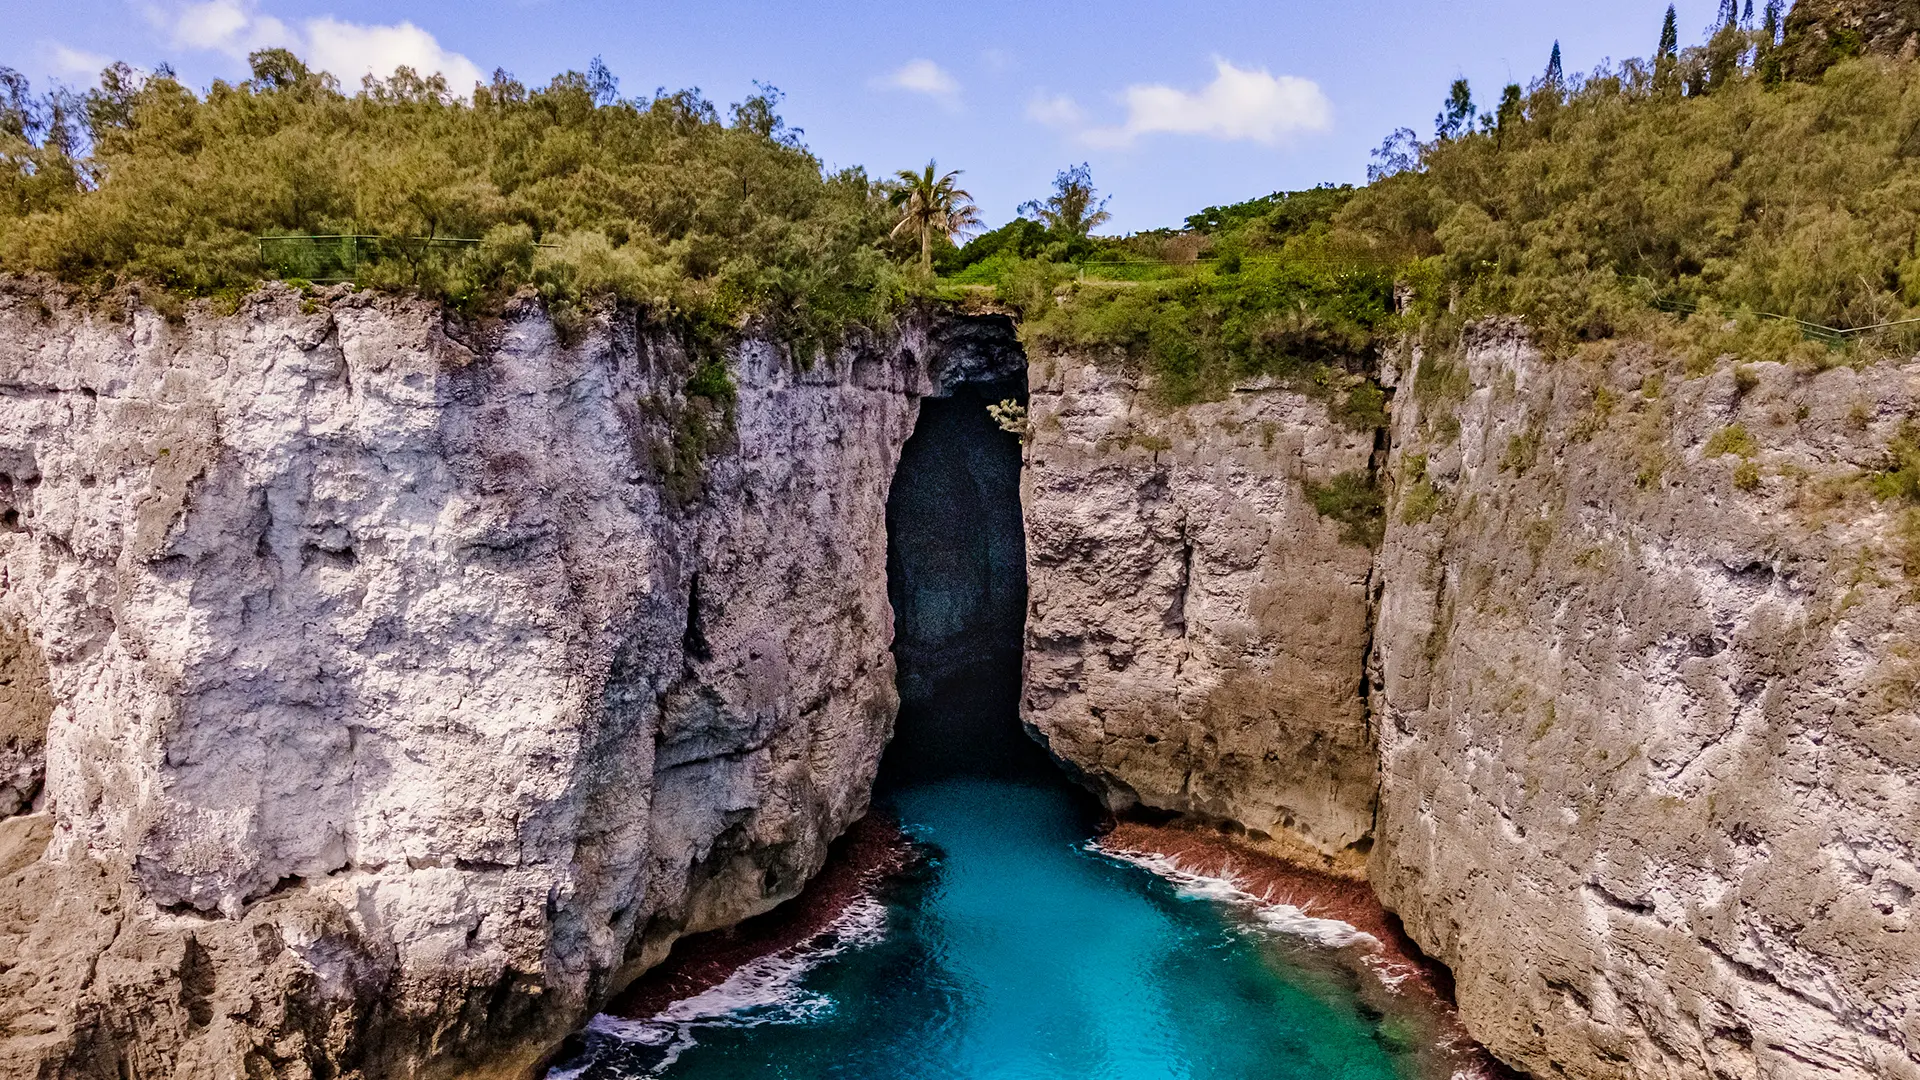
1642, 679
1646, 704
1196, 628
404, 685
379, 691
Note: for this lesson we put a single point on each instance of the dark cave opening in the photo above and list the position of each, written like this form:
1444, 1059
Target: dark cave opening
957, 577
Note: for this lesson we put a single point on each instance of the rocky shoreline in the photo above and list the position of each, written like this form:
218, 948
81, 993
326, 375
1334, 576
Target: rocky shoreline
870, 852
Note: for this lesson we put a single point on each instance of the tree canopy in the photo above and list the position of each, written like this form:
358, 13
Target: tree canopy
1074, 209
931, 204
572, 189
1597, 201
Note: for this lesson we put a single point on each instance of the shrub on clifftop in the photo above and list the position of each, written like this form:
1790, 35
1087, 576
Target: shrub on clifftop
1720, 188
574, 190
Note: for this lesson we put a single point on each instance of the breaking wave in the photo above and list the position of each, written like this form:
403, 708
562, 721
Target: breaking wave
1267, 913
765, 991
1270, 914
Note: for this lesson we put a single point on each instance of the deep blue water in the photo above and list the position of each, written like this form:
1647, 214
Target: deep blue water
1017, 954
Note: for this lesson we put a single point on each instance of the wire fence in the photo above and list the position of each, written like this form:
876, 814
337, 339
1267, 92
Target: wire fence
1812, 331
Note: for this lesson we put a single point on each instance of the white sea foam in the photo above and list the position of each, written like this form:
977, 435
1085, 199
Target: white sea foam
765, 991
1268, 913
1391, 973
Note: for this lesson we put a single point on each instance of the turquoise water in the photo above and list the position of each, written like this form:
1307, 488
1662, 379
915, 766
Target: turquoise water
1017, 954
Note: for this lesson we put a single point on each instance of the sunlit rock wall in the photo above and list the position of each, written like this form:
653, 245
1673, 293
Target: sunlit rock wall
401, 685
1650, 762
1197, 629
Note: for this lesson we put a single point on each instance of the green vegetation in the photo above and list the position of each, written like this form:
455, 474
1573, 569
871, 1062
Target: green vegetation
1755, 194
1263, 291
1352, 500
570, 189
931, 205
1732, 439
1274, 218
1897, 482
1074, 209
1199, 333
1899, 478
1421, 500
1522, 450
1700, 183
693, 429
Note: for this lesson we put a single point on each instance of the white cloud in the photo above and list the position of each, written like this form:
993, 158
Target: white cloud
1056, 110
344, 49
925, 77
1239, 104
69, 61
350, 50
233, 27
996, 60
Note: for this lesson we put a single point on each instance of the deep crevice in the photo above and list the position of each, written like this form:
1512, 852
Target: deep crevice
694, 641
957, 579
956, 575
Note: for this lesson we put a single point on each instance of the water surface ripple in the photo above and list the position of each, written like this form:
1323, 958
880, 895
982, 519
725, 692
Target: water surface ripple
1018, 954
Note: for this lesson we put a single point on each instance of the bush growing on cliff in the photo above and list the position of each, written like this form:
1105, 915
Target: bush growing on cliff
573, 190
1722, 190
1353, 500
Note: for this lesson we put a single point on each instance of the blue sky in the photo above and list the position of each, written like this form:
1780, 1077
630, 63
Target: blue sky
1175, 106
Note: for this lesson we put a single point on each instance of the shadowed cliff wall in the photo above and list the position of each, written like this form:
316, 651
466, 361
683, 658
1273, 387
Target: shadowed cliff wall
956, 567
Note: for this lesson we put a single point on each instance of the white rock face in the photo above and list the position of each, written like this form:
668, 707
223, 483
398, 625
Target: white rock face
399, 711
1197, 630
1650, 778
376, 695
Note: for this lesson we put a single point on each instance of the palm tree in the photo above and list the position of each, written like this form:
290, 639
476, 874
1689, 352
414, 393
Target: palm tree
929, 205
1072, 211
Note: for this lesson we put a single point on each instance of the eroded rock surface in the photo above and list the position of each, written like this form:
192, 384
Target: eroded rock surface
408, 691
1646, 701
25, 707
1197, 630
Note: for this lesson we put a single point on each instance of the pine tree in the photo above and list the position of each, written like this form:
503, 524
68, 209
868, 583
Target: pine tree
1767, 59
1511, 110
1746, 15
1725, 47
602, 84
1666, 60
1456, 115
1553, 68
